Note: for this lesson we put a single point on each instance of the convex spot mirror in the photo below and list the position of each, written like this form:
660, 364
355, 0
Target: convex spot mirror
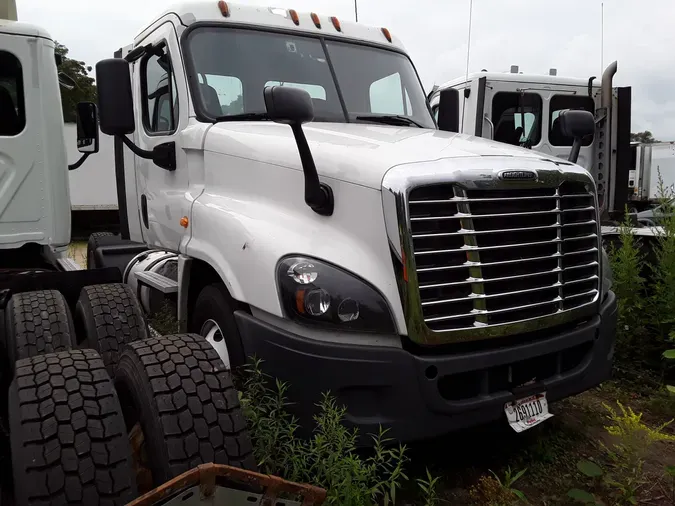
87, 127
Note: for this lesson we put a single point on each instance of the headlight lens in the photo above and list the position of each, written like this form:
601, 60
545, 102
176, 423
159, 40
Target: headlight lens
607, 278
318, 293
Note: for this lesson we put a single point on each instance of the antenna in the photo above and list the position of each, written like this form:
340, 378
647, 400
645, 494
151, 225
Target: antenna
356, 10
468, 53
602, 36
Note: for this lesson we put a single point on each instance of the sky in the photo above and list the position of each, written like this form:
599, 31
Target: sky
534, 34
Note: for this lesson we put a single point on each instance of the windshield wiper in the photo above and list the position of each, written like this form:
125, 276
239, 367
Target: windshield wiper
246, 116
390, 119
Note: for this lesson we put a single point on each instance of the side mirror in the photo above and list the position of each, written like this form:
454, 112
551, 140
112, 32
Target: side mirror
115, 101
288, 105
448, 110
576, 124
293, 106
87, 127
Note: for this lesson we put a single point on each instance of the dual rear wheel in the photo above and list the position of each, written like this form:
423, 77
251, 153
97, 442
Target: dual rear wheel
121, 414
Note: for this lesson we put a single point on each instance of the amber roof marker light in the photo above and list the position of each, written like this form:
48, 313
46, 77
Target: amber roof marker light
224, 8
336, 23
294, 16
386, 34
316, 20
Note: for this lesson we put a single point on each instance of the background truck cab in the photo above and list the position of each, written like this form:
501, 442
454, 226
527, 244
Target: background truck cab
521, 109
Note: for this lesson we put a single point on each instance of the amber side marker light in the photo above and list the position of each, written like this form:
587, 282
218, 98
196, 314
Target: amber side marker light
386, 34
184, 222
224, 9
294, 16
336, 23
317, 21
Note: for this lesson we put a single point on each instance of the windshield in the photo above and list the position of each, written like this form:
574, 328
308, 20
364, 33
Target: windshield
232, 66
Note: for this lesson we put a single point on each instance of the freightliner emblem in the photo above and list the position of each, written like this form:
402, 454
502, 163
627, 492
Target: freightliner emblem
518, 175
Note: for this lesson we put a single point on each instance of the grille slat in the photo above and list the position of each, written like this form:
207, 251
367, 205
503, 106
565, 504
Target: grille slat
499, 256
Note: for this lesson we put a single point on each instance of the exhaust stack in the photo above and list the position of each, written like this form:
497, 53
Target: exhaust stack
607, 77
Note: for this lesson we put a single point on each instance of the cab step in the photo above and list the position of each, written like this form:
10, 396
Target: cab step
157, 281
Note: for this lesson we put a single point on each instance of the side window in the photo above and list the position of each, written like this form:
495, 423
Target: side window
12, 106
517, 118
160, 103
562, 102
221, 94
389, 96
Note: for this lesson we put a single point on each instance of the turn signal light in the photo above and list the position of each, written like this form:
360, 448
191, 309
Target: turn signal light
386, 34
184, 222
336, 23
224, 9
316, 20
294, 16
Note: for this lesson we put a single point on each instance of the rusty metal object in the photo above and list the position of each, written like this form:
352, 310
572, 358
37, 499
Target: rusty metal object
208, 476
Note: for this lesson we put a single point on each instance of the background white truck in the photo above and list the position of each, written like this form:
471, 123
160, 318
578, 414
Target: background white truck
521, 109
429, 280
93, 193
647, 161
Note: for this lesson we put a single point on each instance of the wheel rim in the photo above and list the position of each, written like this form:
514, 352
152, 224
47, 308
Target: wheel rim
212, 333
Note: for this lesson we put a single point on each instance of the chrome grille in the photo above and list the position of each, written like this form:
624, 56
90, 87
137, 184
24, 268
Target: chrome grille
499, 256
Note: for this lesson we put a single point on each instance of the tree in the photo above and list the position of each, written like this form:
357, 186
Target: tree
85, 89
645, 137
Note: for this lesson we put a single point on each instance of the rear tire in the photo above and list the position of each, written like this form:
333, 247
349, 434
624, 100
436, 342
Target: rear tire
95, 240
68, 438
178, 389
36, 323
107, 317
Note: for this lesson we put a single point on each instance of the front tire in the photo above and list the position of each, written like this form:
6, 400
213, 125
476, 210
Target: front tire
213, 319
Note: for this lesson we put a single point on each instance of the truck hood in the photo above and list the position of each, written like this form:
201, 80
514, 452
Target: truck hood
352, 152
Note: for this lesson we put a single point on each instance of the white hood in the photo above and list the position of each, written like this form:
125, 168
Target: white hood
351, 152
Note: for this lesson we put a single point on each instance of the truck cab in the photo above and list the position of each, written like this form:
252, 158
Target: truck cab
521, 109
291, 165
33, 166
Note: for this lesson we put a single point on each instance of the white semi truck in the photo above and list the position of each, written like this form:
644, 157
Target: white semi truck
290, 192
86, 391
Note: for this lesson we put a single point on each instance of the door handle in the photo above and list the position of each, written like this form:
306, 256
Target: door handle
144, 210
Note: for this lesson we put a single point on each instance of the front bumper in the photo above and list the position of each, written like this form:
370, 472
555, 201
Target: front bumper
424, 396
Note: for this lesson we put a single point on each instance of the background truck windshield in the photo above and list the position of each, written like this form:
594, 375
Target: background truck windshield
232, 66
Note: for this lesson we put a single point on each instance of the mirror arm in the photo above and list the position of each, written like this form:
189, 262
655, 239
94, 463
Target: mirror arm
574, 153
78, 163
135, 149
318, 195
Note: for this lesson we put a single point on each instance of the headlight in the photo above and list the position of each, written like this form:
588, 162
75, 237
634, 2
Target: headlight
607, 278
316, 293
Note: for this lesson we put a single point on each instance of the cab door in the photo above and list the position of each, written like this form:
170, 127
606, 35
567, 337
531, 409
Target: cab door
161, 112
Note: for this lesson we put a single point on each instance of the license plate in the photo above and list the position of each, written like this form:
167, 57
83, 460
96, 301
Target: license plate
528, 412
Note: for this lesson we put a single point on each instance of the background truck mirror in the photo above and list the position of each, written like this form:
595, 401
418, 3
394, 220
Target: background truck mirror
576, 124
293, 106
448, 110
115, 102
87, 127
